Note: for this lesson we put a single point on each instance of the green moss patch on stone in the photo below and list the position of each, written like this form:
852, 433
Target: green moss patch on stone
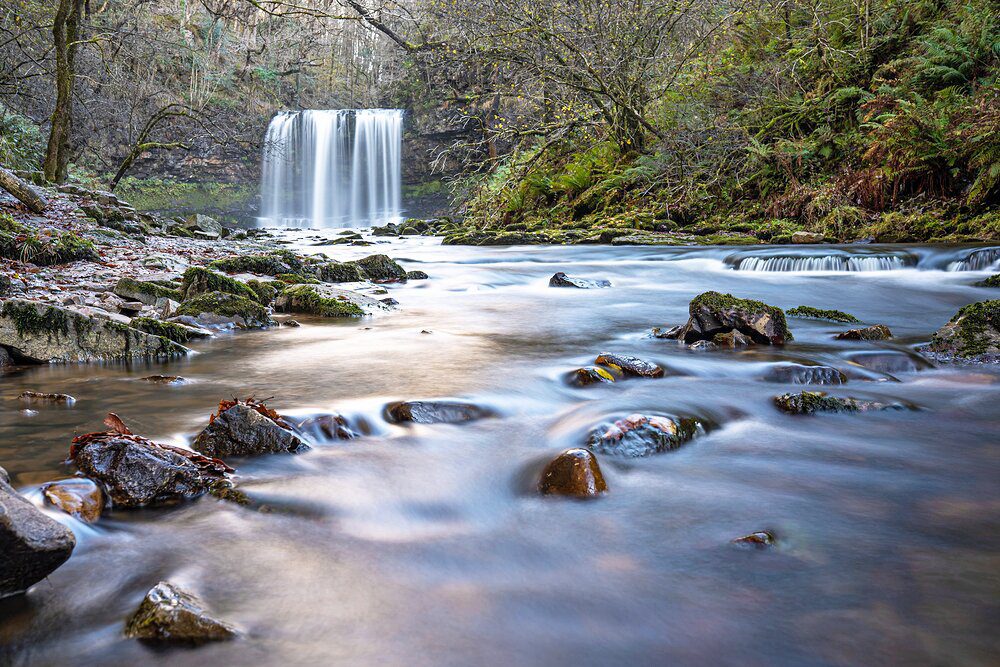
264, 290
973, 331
199, 280
992, 281
227, 305
719, 301
305, 299
168, 330
156, 290
267, 264
821, 314
297, 279
29, 321
339, 272
381, 267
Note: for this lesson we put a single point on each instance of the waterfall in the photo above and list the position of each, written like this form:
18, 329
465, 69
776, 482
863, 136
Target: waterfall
332, 168
821, 263
978, 260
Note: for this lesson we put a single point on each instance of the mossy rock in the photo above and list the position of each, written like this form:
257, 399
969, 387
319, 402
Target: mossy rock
19, 243
199, 280
821, 314
264, 290
381, 268
812, 402
307, 299
992, 281
713, 313
169, 330
973, 333
245, 312
296, 279
144, 291
339, 272
267, 264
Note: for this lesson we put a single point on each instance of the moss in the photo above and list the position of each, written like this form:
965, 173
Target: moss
227, 305
971, 330
381, 267
303, 298
297, 279
130, 285
339, 272
264, 290
268, 264
811, 402
821, 314
198, 280
70, 248
29, 321
992, 281
168, 330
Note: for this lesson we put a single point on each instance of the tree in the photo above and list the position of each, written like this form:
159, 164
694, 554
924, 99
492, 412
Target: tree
65, 33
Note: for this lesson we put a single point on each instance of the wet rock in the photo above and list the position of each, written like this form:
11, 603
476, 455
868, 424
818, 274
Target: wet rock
673, 333
135, 472
339, 272
272, 263
247, 428
562, 280
641, 435
574, 473
48, 334
327, 428
992, 281
801, 374
589, 375
389, 302
973, 334
732, 339
207, 226
130, 308
169, 614
291, 323
32, 545
326, 301
889, 361
712, 313
163, 262
760, 540
80, 497
434, 412
175, 331
703, 345
629, 365
820, 314
145, 292
807, 237
875, 332
198, 280
218, 308
164, 379
38, 397
416, 275
811, 402
380, 268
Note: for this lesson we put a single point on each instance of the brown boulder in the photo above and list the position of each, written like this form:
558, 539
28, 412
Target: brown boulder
574, 473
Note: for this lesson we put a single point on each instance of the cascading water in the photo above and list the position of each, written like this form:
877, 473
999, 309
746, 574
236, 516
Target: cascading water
978, 260
821, 263
335, 168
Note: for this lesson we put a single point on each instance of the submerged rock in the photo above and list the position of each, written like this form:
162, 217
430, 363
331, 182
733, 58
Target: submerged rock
562, 280
732, 339
169, 614
135, 472
973, 333
327, 428
247, 428
641, 435
77, 496
435, 412
875, 332
32, 545
801, 374
712, 313
589, 375
889, 361
760, 540
629, 365
46, 334
38, 397
811, 402
574, 473
819, 314
164, 379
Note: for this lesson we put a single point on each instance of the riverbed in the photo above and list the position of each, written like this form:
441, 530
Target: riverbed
426, 545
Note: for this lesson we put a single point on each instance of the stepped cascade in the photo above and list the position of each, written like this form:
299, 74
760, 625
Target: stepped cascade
332, 168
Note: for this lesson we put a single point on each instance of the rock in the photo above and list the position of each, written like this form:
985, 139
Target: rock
327, 428
890, 361
673, 333
135, 472
574, 473
641, 435
811, 402
209, 227
416, 275
38, 397
130, 308
807, 237
326, 301
875, 332
630, 365
434, 412
973, 333
164, 263
179, 333
392, 303
145, 292
588, 375
712, 313
562, 280
800, 374
164, 379
79, 497
247, 428
759, 540
198, 281
819, 314
703, 345
732, 339
290, 323
32, 545
169, 614
992, 281
380, 268
268, 264
41, 333
339, 272
220, 308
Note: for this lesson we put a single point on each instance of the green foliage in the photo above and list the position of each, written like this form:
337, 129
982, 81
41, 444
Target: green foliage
21, 141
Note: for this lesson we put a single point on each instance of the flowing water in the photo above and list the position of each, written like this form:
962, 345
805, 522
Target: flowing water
424, 545
332, 168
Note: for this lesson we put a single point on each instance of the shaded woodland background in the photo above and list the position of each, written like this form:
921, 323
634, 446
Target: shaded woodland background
757, 117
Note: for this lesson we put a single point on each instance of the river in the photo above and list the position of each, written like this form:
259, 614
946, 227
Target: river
424, 545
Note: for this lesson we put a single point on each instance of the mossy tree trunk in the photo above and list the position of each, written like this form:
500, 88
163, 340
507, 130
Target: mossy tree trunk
24, 193
65, 30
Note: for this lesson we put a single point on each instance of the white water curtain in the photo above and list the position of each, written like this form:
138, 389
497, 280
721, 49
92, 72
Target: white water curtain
332, 168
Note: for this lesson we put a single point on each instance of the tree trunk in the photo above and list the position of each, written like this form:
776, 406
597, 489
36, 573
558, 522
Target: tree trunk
24, 193
65, 31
